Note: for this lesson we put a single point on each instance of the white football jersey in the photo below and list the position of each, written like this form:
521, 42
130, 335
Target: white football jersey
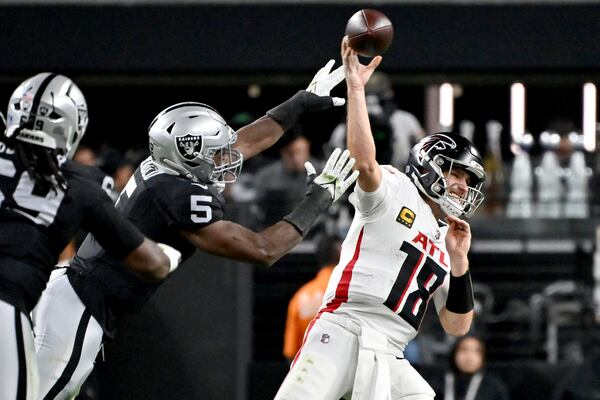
393, 260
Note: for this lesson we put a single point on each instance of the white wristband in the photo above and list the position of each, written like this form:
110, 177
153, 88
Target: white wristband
173, 254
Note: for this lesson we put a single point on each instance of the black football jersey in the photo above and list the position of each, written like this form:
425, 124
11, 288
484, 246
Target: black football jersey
37, 224
160, 205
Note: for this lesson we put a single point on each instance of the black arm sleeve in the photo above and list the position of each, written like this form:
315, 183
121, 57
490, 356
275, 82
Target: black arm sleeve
112, 230
305, 215
289, 112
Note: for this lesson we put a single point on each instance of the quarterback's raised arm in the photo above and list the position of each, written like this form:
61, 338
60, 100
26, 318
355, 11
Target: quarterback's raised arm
231, 240
359, 135
265, 131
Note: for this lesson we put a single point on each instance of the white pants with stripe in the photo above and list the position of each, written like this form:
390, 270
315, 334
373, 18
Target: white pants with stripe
18, 369
67, 340
325, 368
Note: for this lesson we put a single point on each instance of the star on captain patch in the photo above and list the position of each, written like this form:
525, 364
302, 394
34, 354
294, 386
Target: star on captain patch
406, 217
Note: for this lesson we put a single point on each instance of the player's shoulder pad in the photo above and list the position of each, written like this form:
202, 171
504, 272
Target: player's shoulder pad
176, 187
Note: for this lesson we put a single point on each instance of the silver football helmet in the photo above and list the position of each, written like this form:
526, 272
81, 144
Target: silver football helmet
48, 110
193, 140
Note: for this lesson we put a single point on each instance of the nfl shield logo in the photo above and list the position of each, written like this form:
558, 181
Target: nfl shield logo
189, 146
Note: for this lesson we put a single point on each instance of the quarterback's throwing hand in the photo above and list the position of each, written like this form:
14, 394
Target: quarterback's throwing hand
325, 80
334, 177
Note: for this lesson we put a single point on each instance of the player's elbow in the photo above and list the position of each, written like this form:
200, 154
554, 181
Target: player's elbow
157, 267
265, 254
265, 258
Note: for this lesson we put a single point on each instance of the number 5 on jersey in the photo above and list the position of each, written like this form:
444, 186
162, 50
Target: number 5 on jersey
201, 213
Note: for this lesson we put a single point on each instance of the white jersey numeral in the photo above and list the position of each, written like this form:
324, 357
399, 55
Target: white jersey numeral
41, 209
203, 211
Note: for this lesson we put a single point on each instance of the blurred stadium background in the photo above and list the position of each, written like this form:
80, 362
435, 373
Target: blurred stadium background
215, 330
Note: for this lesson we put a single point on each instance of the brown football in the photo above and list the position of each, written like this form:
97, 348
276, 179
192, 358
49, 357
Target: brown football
369, 32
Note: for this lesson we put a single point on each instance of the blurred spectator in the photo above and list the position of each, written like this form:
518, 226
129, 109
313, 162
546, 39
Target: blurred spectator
281, 185
85, 155
306, 301
109, 159
467, 378
394, 130
127, 167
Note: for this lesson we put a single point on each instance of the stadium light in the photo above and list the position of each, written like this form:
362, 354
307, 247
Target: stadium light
446, 105
517, 111
589, 116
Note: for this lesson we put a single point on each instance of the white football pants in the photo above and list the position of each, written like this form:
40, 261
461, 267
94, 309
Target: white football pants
18, 369
326, 366
67, 340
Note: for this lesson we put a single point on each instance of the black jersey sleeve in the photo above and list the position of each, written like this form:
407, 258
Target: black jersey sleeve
112, 230
93, 174
194, 206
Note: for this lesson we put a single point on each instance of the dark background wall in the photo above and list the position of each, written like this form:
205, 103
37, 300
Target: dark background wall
294, 38
133, 61
191, 340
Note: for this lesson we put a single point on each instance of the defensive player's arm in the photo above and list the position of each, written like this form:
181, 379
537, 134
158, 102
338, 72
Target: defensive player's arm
231, 240
456, 317
264, 132
121, 239
148, 261
359, 135
258, 136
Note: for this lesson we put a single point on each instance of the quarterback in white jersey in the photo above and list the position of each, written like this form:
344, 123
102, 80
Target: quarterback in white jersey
406, 245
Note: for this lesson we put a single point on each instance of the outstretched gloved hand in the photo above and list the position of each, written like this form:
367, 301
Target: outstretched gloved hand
335, 176
314, 98
325, 80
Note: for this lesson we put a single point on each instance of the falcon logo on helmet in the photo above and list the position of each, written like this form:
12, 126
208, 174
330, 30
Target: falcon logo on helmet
435, 142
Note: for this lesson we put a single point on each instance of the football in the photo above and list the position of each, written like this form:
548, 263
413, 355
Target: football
369, 32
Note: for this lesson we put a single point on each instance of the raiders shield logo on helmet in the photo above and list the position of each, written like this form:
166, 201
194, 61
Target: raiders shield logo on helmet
189, 146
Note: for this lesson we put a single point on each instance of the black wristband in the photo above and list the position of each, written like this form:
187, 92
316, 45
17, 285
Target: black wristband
460, 294
305, 215
289, 112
